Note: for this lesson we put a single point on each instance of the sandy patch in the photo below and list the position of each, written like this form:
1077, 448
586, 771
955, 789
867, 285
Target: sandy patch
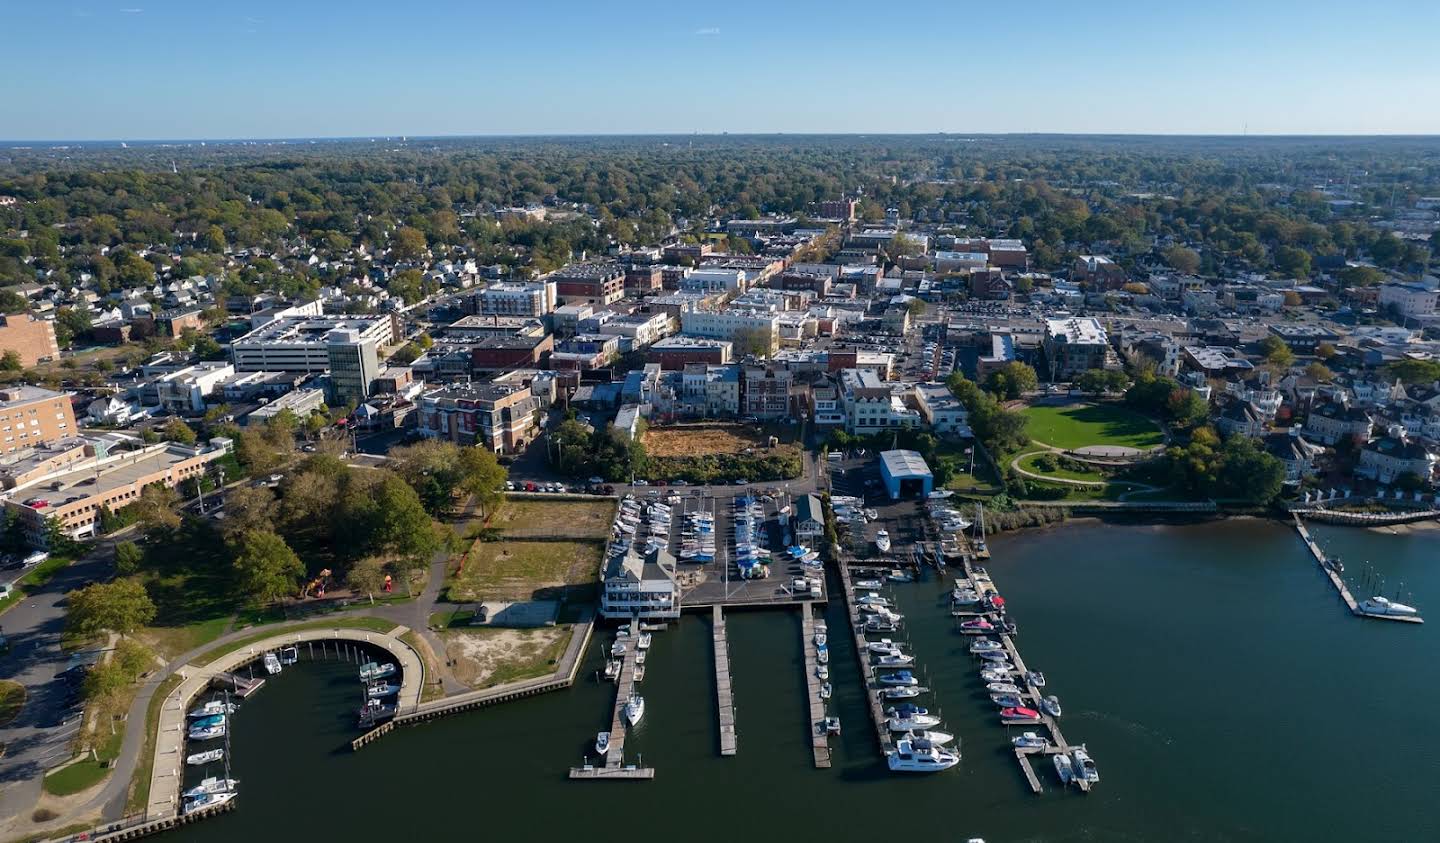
483, 657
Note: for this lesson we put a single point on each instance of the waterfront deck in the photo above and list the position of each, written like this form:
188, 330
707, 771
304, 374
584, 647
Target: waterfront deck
1336, 580
613, 765
725, 700
819, 740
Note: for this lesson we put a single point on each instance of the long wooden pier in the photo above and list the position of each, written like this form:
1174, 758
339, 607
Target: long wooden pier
725, 700
819, 739
867, 672
613, 766
1329, 567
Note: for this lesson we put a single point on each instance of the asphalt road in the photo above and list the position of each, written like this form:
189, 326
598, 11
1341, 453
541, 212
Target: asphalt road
33, 629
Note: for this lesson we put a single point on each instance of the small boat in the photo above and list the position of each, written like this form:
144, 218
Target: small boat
882, 541
986, 645
822, 673
831, 725
1003, 688
640, 658
612, 670
208, 800
1385, 606
901, 693
881, 624
382, 689
990, 675
822, 655
937, 738
209, 756
1020, 713
868, 583
1030, 740
874, 609
289, 655
1063, 768
901, 660
376, 709
900, 677
1007, 700
883, 647
602, 743
911, 722
213, 708
825, 690
994, 656
897, 575
1035, 678
872, 599
964, 597
919, 756
644, 641
1085, 766
618, 648
634, 709
372, 670
978, 625
213, 784
1050, 705
208, 720
206, 733
639, 673
272, 663
821, 640
1005, 668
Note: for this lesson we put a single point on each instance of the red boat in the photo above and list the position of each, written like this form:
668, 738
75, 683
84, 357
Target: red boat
977, 623
1019, 713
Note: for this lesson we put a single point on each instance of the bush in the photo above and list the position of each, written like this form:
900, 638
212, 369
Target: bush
1046, 463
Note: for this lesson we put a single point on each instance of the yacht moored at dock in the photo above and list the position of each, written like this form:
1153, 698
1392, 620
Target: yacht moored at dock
919, 756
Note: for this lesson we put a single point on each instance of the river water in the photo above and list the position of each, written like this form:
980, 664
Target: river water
1221, 687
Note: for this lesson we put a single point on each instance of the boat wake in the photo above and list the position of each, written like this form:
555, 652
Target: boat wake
1128, 726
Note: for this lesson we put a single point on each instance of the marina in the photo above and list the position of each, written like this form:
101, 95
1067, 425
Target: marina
819, 734
724, 700
612, 765
1333, 571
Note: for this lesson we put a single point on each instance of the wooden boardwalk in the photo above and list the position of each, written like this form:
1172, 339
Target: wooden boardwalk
725, 700
867, 672
819, 740
613, 765
1336, 580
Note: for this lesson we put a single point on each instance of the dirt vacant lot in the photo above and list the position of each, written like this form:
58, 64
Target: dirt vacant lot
700, 440
484, 657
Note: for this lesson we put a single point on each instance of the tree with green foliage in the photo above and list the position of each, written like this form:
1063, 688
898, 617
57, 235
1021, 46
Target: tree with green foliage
120, 606
176, 430
1411, 371
1277, 352
128, 557
10, 361
1012, 380
408, 243
1101, 381
267, 569
1182, 259
367, 577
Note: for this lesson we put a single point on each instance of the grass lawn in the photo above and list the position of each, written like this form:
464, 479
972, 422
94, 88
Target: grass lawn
433, 689
12, 700
190, 577
84, 775
568, 519
1027, 462
361, 622
524, 569
139, 795
954, 456
1077, 425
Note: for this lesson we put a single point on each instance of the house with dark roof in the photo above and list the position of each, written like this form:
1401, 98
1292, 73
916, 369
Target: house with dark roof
1390, 457
1242, 417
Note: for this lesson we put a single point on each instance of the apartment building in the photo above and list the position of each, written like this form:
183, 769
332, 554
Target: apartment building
500, 418
518, 298
766, 392
735, 325
590, 283
33, 339
675, 353
30, 415
1410, 301
1075, 345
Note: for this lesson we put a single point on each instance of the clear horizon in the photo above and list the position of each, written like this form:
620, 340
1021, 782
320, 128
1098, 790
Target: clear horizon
274, 71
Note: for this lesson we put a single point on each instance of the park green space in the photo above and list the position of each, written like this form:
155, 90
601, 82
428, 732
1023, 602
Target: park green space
1078, 425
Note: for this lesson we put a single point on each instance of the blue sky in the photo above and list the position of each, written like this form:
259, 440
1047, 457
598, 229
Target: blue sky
135, 69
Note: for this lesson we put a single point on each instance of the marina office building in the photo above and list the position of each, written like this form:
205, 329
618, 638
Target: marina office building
640, 585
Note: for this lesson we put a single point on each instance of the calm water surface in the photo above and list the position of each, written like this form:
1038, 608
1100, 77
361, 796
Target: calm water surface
1215, 676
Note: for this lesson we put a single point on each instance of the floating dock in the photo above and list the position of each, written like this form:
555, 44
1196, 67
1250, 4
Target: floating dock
613, 765
819, 740
867, 672
725, 700
1336, 580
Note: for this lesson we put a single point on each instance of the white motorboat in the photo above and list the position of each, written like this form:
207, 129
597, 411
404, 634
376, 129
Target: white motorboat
911, 722
640, 657
1003, 688
209, 800
1030, 740
634, 709
1064, 768
289, 655
897, 575
212, 708
821, 639
1050, 705
919, 756
272, 663
644, 641
1007, 700
1084, 766
937, 738
900, 660
382, 689
1035, 678
986, 645
208, 757
822, 673
825, 690
213, 784
994, 656
612, 670
901, 693
882, 541
872, 599
990, 675
964, 597
206, 733
831, 725
602, 743
868, 583
822, 655
899, 677
883, 647
372, 670
1385, 606
881, 624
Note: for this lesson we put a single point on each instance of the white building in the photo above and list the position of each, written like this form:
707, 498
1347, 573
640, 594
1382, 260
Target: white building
942, 410
299, 344
732, 324
186, 389
1411, 301
518, 298
713, 279
640, 585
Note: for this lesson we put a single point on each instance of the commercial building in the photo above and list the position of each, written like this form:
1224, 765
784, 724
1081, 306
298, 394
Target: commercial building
1409, 301
639, 584
873, 406
518, 298
354, 364
713, 280
1075, 345
33, 339
675, 353
590, 283
905, 474
301, 402
301, 343
766, 392
941, 410
30, 415
500, 418
746, 328
185, 390
495, 354
809, 519
76, 493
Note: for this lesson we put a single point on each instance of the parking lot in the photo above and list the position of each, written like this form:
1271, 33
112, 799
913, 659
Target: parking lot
906, 521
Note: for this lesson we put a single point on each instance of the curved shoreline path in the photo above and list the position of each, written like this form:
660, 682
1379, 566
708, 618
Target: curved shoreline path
166, 775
